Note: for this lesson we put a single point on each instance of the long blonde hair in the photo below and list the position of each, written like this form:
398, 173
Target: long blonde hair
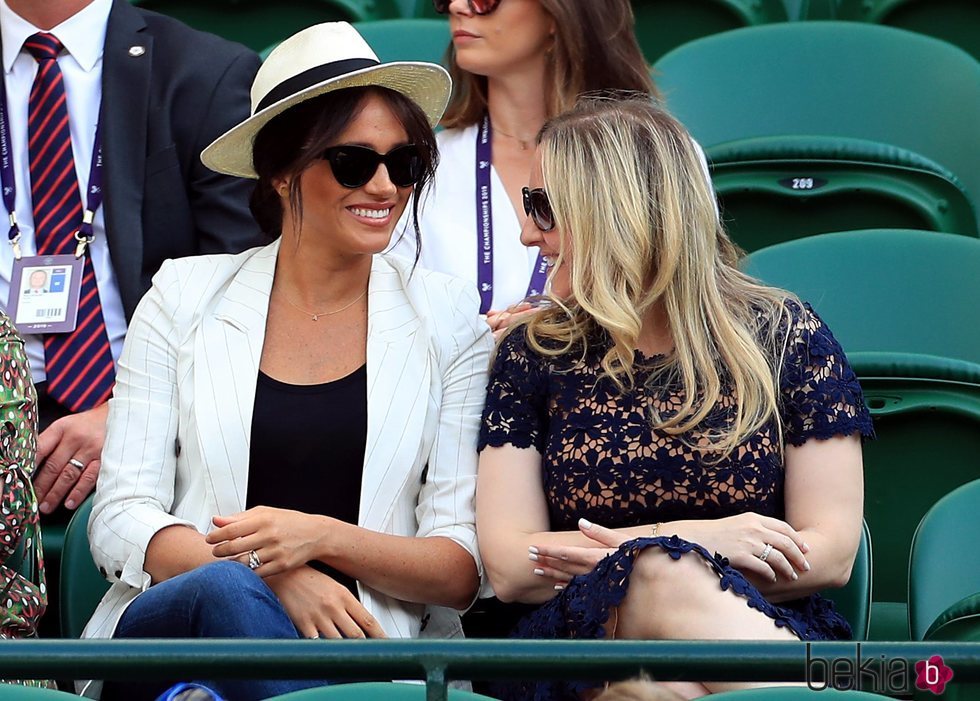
594, 48
630, 194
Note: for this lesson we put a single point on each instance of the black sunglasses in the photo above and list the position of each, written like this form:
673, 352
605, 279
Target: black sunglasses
477, 7
538, 207
354, 166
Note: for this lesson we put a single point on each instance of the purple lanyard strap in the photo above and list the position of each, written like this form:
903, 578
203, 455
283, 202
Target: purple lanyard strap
484, 225
8, 183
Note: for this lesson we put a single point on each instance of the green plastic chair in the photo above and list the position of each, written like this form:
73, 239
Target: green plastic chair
662, 25
944, 577
798, 693
953, 21
260, 23
14, 692
897, 301
847, 79
82, 586
422, 8
373, 691
407, 39
779, 188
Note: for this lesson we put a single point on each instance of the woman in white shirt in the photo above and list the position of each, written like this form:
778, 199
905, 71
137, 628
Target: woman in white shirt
514, 64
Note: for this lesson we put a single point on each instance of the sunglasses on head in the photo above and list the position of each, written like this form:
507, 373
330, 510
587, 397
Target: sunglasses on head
477, 7
538, 207
354, 166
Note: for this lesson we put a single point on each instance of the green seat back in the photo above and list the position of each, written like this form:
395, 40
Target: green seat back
423, 8
854, 600
259, 23
847, 79
945, 564
779, 188
885, 290
373, 691
407, 39
662, 25
15, 692
954, 21
82, 586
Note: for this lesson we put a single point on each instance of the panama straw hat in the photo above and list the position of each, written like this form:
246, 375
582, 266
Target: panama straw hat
318, 60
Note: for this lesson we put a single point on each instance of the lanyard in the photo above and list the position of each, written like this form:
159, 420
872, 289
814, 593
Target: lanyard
85, 234
484, 225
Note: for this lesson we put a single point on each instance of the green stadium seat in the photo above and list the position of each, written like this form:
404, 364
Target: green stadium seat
407, 39
954, 21
854, 600
944, 571
944, 577
818, 9
779, 188
373, 691
662, 25
897, 301
14, 692
847, 79
260, 23
423, 8
82, 586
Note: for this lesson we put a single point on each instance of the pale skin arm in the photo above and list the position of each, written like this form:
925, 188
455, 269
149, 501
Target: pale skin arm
433, 570
824, 496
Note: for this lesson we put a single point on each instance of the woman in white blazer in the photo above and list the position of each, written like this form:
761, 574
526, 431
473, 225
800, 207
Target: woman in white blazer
291, 443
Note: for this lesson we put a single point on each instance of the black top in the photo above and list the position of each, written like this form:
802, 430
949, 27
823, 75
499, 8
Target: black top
307, 450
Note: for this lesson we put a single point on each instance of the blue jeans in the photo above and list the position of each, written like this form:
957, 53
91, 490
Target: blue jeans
217, 600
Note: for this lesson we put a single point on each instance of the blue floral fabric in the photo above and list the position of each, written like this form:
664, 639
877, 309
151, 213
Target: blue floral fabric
604, 459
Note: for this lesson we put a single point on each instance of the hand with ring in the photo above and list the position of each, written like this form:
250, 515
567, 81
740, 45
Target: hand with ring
69, 456
269, 540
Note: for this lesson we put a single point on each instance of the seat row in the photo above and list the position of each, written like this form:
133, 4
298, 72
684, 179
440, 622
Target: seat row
661, 24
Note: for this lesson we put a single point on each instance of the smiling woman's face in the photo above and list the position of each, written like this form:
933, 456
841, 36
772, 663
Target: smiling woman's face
549, 243
354, 221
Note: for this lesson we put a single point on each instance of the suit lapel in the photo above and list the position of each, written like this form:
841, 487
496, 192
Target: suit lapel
398, 375
123, 116
228, 348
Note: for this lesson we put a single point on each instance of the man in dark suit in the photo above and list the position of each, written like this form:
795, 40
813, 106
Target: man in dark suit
161, 92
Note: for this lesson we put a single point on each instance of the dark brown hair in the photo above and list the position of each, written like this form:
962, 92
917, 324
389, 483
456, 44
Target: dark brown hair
294, 140
595, 49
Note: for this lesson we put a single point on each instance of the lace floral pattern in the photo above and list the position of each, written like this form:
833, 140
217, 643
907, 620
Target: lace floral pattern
602, 459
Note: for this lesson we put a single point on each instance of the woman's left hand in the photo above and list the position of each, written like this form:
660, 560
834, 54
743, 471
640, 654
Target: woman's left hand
562, 562
281, 539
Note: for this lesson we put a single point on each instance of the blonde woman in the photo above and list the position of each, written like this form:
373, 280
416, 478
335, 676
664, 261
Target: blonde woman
671, 449
514, 64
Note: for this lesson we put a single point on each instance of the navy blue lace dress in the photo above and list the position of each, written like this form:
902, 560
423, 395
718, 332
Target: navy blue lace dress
603, 460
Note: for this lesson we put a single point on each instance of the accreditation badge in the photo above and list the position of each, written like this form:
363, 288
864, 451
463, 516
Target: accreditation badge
44, 293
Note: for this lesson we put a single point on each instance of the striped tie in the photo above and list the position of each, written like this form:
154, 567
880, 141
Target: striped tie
78, 365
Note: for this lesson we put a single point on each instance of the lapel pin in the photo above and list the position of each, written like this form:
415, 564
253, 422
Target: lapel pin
136, 51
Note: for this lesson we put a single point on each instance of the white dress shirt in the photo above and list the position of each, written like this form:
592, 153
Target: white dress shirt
83, 36
447, 219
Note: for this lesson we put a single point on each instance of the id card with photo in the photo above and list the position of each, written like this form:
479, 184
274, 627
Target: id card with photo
44, 293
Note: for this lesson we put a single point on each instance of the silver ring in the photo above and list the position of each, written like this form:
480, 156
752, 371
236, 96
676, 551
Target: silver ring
765, 552
253, 560
77, 463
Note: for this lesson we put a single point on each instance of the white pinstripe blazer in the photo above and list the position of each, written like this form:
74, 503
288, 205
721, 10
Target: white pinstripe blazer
177, 448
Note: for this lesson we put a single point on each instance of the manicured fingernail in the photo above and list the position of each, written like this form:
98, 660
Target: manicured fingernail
539, 572
45, 508
533, 549
532, 557
584, 523
795, 576
806, 547
806, 565
559, 587
70, 504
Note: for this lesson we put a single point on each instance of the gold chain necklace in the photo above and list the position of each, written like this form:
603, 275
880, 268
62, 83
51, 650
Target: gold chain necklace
316, 316
523, 143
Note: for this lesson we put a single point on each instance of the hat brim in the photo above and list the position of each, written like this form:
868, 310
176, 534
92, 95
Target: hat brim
426, 84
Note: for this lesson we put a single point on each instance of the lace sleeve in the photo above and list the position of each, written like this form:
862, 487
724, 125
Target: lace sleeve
821, 397
516, 408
